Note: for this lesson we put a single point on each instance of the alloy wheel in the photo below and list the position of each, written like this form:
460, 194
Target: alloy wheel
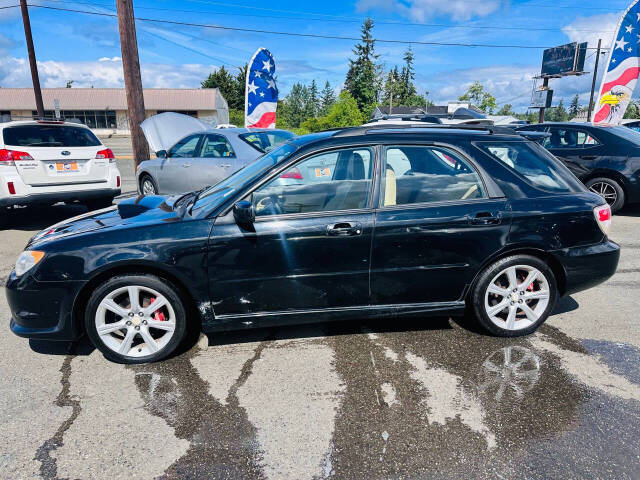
606, 191
147, 187
517, 297
135, 321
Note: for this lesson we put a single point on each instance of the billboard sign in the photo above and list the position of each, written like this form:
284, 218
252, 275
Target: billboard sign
564, 60
541, 98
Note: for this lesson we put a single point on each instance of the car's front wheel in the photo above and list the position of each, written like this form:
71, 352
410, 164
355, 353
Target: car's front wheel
610, 190
514, 296
148, 186
136, 318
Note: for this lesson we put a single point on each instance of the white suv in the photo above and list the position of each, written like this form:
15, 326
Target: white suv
44, 162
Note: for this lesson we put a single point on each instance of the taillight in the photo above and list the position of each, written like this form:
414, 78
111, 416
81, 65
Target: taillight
12, 188
10, 156
118, 181
106, 153
293, 173
603, 217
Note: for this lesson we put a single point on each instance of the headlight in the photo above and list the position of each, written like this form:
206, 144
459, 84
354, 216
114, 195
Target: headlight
27, 260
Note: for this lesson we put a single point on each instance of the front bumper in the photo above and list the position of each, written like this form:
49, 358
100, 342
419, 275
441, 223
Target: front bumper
42, 309
46, 198
586, 267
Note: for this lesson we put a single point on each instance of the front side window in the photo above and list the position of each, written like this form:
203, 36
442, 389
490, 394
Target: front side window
424, 174
216, 146
569, 138
337, 180
185, 148
533, 163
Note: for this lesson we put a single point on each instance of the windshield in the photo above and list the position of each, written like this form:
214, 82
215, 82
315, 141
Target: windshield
49, 136
266, 141
241, 178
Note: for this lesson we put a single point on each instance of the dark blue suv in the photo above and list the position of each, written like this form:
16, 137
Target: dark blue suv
371, 222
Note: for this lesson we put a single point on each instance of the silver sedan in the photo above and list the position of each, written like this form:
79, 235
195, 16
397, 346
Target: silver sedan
191, 154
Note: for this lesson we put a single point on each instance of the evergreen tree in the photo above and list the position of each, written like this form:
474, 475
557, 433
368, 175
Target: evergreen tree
296, 105
327, 99
224, 82
313, 101
240, 87
407, 88
362, 80
506, 109
574, 108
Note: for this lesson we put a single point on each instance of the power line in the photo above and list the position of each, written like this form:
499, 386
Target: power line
304, 35
347, 19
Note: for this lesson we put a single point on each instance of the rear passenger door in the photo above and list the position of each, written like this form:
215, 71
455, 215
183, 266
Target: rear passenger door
577, 148
435, 225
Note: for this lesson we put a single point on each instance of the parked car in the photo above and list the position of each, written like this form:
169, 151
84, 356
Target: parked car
606, 159
45, 162
428, 221
191, 154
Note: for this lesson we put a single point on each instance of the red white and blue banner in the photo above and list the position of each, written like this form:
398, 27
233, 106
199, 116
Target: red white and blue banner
623, 69
261, 94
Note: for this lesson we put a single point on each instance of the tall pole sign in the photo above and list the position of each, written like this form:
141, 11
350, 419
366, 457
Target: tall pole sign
32, 58
132, 79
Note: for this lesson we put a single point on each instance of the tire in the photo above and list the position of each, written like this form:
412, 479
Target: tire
610, 190
169, 319
532, 301
99, 203
148, 185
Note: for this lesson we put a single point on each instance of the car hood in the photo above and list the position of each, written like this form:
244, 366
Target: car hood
164, 130
138, 211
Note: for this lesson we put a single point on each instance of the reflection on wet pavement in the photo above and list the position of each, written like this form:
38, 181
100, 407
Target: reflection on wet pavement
347, 401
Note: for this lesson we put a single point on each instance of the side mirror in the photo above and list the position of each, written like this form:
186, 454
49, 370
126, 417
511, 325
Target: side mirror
161, 154
244, 213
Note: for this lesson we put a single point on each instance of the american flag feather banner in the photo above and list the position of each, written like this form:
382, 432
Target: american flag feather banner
261, 94
623, 69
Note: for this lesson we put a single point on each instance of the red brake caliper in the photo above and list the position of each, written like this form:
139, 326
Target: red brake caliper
159, 316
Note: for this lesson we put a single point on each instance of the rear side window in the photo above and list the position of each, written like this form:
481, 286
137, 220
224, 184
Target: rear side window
534, 163
49, 136
569, 138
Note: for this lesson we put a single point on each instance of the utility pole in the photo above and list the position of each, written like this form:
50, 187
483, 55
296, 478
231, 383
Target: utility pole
390, 93
32, 58
593, 82
132, 79
545, 86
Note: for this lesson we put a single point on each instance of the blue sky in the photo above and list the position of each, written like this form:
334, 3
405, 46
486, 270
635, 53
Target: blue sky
85, 48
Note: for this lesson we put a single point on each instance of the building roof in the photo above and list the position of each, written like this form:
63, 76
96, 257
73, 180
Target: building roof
399, 110
112, 98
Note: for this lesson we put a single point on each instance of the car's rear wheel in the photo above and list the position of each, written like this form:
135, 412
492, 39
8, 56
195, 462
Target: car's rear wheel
514, 296
148, 186
136, 319
608, 189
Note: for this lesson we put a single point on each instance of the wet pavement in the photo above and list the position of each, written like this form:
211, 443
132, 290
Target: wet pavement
402, 399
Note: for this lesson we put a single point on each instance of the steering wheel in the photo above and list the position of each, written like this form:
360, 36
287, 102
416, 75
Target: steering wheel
269, 202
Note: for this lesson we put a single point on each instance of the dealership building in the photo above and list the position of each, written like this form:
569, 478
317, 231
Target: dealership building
105, 109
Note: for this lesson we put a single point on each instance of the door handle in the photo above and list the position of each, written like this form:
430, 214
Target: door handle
344, 229
588, 157
486, 218
186, 165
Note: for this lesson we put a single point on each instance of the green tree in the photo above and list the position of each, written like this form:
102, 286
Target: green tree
312, 106
557, 113
343, 113
362, 80
224, 82
295, 102
480, 98
327, 99
506, 109
407, 76
633, 110
574, 108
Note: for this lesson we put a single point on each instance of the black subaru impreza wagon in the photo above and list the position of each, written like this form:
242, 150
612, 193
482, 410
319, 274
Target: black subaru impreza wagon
356, 223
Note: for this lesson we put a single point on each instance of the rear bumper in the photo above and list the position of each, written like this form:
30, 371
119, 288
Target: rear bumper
586, 267
42, 309
53, 197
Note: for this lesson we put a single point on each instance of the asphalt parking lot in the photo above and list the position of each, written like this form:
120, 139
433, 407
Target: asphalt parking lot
415, 398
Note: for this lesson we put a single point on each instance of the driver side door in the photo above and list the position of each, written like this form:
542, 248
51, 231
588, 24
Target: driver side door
174, 170
309, 246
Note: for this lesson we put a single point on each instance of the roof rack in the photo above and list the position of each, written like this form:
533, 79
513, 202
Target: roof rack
364, 130
416, 117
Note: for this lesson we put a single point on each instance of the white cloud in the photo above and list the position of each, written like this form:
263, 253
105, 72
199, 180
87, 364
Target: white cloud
421, 10
14, 72
590, 29
110, 59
